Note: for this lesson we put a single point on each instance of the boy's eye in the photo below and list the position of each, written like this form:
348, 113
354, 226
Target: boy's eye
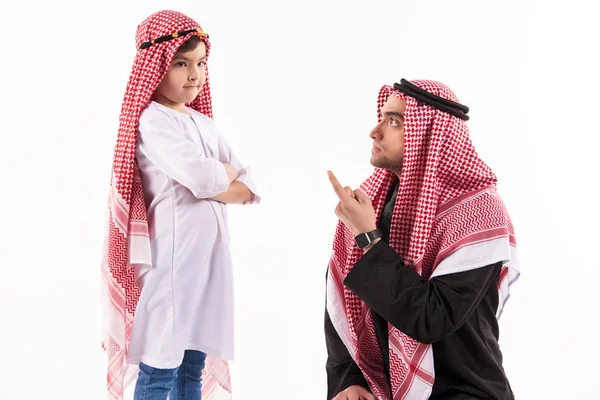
180, 64
202, 64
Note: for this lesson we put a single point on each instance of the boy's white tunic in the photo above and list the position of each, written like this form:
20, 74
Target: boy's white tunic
186, 300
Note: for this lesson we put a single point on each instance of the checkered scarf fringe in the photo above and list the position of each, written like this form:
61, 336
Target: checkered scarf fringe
446, 203
127, 245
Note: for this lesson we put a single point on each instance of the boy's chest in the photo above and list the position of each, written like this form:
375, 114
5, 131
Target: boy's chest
203, 136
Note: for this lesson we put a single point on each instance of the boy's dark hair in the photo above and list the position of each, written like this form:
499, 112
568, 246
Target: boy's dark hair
189, 44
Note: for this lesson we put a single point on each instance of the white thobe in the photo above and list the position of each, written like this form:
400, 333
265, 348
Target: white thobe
186, 297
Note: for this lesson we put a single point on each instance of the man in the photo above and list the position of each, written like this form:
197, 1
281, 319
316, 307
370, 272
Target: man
422, 261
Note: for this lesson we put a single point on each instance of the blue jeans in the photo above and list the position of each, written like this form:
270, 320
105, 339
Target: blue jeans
182, 383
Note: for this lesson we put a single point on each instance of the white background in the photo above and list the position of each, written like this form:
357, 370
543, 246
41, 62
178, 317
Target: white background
295, 88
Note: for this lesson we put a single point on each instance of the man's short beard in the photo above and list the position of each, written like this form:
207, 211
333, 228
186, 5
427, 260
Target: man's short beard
392, 165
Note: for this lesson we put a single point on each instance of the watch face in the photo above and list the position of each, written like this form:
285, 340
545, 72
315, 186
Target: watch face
362, 240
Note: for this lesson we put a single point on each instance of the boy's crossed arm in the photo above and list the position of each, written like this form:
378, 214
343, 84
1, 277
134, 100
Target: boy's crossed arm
237, 193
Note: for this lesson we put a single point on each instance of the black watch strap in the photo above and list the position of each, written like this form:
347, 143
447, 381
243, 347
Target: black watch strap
366, 238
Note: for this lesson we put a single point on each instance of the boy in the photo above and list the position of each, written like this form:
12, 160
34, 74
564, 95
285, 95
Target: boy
167, 262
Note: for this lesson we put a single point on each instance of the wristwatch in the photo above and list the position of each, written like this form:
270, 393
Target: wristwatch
366, 238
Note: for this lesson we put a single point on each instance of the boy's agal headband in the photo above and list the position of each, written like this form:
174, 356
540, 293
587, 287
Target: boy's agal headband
448, 106
173, 35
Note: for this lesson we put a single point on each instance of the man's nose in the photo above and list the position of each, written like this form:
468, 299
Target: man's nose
376, 132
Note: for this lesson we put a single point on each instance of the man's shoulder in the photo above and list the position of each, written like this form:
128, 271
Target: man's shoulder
474, 199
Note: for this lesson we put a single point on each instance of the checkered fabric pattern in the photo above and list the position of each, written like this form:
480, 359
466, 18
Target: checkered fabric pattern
127, 213
446, 201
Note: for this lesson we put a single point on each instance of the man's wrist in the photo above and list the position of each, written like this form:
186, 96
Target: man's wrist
370, 246
366, 238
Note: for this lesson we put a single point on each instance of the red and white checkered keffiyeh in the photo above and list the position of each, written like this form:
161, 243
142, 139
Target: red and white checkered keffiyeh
127, 244
448, 218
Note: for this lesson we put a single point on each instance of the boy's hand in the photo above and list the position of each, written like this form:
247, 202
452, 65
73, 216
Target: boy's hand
354, 393
232, 173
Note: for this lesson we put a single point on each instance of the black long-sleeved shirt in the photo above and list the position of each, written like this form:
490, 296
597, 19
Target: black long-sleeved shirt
456, 313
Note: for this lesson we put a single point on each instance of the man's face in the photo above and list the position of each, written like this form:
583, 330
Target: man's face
388, 136
184, 80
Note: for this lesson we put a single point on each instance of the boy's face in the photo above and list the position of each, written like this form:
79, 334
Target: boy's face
184, 79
